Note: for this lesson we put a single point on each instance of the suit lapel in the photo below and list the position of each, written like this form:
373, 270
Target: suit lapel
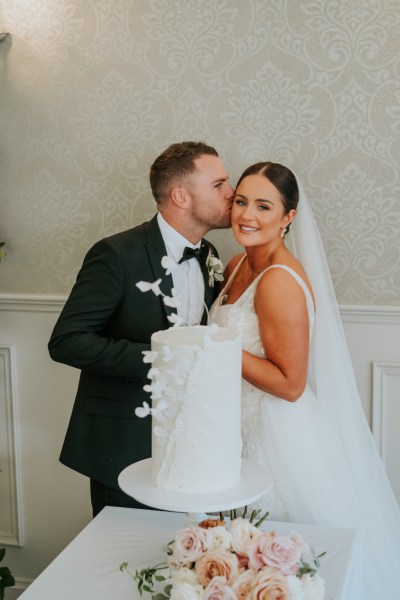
156, 250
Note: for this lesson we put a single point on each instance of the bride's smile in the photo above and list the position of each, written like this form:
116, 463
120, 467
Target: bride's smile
246, 229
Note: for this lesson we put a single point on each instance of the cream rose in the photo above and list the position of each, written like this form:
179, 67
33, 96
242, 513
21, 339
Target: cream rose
184, 575
295, 587
186, 591
270, 584
219, 537
276, 550
217, 563
243, 534
218, 589
190, 543
243, 585
314, 587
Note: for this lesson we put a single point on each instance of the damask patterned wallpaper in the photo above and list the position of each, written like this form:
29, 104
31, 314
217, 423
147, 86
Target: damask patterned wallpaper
92, 90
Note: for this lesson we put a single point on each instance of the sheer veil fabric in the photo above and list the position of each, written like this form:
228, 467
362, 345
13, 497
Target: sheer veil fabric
319, 450
332, 378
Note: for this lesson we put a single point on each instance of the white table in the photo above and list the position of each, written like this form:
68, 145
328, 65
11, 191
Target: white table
88, 568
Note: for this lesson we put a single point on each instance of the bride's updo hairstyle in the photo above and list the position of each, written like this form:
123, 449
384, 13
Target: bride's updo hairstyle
281, 177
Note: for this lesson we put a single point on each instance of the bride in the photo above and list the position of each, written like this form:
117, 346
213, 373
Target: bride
302, 418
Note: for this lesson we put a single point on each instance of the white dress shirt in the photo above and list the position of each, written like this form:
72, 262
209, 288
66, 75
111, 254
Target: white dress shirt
187, 277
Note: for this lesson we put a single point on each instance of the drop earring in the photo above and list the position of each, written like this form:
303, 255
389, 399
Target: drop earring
283, 232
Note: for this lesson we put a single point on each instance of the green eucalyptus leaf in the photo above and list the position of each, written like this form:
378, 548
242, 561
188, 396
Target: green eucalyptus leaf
167, 590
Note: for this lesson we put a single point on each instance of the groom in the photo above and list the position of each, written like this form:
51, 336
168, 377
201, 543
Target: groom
107, 322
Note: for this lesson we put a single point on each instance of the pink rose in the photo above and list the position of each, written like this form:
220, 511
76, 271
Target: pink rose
243, 585
270, 584
190, 543
276, 550
218, 589
217, 563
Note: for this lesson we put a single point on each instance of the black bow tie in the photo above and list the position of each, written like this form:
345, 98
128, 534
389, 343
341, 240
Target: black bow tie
199, 253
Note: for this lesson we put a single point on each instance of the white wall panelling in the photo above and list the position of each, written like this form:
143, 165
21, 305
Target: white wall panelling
10, 498
55, 500
386, 417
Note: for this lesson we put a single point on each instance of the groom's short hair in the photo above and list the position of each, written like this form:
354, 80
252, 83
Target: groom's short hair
174, 164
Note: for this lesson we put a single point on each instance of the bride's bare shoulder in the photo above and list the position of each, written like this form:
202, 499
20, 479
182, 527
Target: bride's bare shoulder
280, 281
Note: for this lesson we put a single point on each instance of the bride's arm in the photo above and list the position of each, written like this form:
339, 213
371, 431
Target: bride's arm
283, 320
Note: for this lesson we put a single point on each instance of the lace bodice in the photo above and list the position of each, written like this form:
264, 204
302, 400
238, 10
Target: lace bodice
241, 315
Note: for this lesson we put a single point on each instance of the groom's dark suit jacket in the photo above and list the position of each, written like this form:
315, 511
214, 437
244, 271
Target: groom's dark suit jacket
103, 329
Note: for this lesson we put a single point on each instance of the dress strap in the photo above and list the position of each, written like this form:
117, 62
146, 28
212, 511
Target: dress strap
302, 284
296, 276
228, 284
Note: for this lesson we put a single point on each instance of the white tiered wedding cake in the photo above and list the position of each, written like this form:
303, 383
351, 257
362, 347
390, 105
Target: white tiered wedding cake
195, 390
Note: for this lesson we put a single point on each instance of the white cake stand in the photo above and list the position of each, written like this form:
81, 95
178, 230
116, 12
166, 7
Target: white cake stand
136, 481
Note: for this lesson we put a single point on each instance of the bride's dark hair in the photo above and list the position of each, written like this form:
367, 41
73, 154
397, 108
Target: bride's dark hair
281, 177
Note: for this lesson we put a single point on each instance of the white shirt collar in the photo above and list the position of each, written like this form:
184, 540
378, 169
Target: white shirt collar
174, 241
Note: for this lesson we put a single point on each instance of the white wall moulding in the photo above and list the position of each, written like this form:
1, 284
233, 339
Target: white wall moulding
358, 313
386, 417
31, 302
53, 303
10, 514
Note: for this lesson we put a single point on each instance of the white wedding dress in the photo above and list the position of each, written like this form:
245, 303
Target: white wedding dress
315, 481
291, 441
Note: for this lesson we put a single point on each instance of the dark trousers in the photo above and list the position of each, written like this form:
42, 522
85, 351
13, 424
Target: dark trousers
102, 495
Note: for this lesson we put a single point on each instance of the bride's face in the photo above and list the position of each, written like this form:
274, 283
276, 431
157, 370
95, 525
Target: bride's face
258, 214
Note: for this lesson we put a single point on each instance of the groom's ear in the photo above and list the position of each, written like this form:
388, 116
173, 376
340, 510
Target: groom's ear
180, 197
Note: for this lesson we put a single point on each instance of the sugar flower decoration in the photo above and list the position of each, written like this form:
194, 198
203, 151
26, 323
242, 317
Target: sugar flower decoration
172, 301
143, 411
169, 264
146, 286
175, 320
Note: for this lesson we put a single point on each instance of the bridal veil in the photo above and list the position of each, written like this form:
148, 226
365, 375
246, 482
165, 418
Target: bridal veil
332, 379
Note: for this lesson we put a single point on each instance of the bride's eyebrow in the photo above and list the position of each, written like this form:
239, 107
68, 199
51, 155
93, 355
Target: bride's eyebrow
265, 200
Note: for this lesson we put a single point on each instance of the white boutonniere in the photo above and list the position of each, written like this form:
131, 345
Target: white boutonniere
215, 269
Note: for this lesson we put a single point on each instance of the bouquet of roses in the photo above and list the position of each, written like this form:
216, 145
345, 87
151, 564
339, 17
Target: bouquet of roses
215, 562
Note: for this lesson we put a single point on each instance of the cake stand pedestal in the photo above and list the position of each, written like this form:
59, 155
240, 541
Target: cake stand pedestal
136, 481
